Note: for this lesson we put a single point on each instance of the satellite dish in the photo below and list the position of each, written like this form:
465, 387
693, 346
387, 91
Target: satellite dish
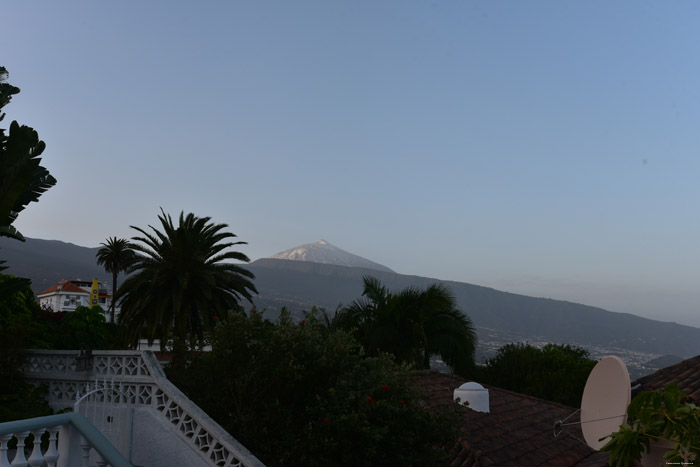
605, 399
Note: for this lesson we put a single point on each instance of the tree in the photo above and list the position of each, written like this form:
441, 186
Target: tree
116, 256
303, 394
84, 328
19, 330
556, 373
180, 282
656, 417
22, 179
412, 325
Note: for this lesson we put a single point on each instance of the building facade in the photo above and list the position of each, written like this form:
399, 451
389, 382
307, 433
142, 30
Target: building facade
68, 295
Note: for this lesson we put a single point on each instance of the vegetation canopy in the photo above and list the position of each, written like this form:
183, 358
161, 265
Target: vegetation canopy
116, 256
303, 394
22, 179
556, 373
179, 280
412, 325
654, 417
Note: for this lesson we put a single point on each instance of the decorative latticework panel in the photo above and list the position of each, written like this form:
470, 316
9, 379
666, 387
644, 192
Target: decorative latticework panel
108, 366
45, 364
141, 383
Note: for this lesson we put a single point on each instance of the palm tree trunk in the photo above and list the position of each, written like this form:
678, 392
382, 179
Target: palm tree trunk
114, 294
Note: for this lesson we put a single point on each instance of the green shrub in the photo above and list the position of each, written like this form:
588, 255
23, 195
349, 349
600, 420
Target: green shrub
300, 394
667, 415
557, 373
18, 398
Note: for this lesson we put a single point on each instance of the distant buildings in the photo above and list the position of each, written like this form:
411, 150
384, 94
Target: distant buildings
68, 295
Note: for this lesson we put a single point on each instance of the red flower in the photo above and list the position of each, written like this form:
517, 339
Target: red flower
302, 322
216, 318
386, 387
369, 400
403, 402
326, 421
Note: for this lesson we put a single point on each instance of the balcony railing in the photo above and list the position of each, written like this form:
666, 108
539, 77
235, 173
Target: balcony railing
71, 438
142, 383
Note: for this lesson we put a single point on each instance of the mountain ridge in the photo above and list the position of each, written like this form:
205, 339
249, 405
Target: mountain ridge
299, 285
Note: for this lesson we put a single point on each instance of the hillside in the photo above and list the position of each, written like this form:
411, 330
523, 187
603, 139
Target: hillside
299, 285
46, 262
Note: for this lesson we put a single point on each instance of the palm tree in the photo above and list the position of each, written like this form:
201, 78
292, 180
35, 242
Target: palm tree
179, 280
412, 325
116, 256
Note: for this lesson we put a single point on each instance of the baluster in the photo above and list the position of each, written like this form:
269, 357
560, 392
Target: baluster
4, 439
20, 460
51, 455
85, 446
99, 460
110, 417
94, 402
104, 406
37, 458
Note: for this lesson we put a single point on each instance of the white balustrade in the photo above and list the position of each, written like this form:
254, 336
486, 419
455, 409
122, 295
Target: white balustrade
70, 426
142, 383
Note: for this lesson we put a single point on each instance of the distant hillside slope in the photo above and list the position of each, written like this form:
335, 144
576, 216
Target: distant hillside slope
302, 284
297, 284
46, 262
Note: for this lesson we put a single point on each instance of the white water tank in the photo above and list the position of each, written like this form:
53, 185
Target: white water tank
473, 395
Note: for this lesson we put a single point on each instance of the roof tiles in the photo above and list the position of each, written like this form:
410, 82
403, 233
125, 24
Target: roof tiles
518, 430
685, 374
66, 286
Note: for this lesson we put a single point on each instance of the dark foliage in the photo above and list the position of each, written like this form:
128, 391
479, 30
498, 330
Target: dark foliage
301, 394
655, 417
412, 325
557, 373
116, 255
18, 330
181, 280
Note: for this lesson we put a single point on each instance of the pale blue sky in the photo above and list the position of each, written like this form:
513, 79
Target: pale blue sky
546, 148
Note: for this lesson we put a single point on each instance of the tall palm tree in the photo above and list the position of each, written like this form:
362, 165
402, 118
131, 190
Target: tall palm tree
179, 279
116, 256
412, 325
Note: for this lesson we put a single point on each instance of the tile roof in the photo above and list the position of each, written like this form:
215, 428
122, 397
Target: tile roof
685, 374
66, 286
518, 430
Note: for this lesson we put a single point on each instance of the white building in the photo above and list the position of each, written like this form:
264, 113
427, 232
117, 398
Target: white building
68, 295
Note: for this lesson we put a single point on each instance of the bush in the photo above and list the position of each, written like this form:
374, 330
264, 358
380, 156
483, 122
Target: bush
654, 417
300, 394
18, 399
557, 373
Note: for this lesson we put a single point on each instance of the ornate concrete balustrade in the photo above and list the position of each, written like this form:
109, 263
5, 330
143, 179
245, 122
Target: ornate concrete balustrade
71, 438
156, 414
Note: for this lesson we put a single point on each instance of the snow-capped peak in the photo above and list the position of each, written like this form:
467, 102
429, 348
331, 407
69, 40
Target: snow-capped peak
323, 252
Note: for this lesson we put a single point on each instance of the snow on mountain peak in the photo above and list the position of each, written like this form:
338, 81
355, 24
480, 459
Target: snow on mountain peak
325, 253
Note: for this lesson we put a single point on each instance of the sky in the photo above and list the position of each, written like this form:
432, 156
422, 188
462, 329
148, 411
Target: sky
546, 148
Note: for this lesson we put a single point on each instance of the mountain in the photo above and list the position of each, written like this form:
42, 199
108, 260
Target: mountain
299, 285
325, 253
47, 262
